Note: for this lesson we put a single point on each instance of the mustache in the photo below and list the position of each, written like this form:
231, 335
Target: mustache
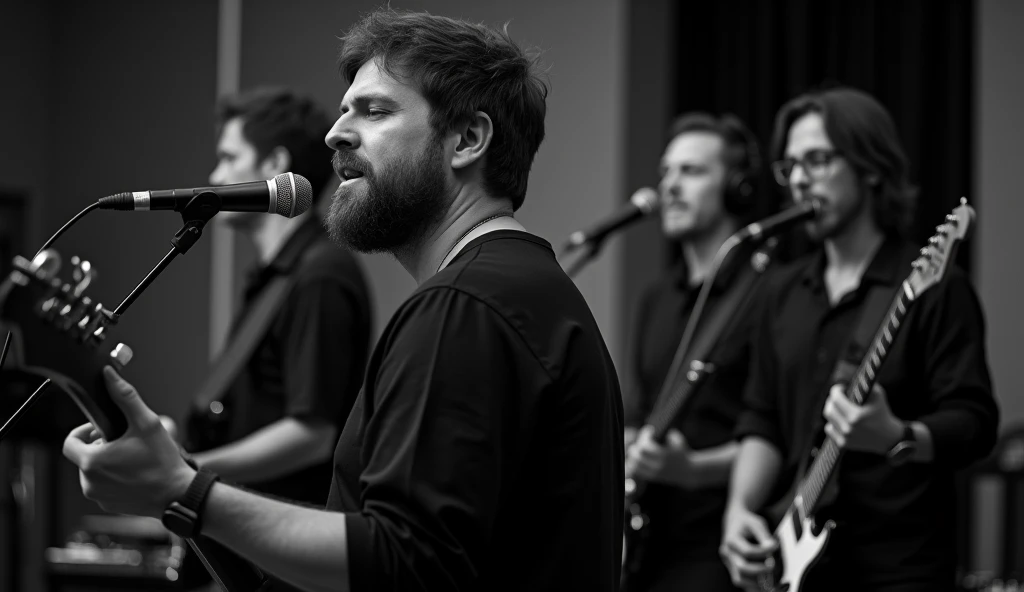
348, 160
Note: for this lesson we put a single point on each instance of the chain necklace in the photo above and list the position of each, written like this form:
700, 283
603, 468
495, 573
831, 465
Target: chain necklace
465, 234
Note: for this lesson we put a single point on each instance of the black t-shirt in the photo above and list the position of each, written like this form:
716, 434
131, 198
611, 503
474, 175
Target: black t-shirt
310, 364
687, 524
485, 450
895, 522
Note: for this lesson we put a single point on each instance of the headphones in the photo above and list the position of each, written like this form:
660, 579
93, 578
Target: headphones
738, 196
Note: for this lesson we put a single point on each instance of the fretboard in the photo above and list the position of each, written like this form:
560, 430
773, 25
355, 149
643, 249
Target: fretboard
828, 456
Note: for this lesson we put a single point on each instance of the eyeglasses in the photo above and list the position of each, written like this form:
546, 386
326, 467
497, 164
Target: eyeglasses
815, 164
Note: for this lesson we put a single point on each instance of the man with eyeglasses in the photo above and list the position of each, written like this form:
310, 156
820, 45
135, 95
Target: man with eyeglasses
933, 412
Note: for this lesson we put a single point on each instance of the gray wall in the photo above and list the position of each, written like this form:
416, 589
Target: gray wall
999, 124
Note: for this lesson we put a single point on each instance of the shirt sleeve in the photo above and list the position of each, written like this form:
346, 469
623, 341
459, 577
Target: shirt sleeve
760, 395
964, 417
320, 350
451, 378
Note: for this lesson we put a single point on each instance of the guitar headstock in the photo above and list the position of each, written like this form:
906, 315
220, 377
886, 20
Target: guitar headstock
61, 334
931, 266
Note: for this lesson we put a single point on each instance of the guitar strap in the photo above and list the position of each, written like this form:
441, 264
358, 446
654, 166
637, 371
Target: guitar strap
249, 335
254, 325
872, 315
674, 396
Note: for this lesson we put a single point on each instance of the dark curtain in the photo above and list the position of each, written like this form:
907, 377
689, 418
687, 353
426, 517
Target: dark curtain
749, 57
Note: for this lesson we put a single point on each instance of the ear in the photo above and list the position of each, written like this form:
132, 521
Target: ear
474, 137
278, 161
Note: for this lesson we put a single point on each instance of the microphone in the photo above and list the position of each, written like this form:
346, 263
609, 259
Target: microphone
779, 222
643, 202
286, 194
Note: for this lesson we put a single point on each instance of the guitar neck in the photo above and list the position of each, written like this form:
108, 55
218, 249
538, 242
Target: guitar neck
813, 484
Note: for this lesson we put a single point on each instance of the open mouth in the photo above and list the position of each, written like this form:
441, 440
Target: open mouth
350, 174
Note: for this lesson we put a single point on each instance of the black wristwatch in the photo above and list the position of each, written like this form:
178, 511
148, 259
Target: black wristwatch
904, 449
184, 516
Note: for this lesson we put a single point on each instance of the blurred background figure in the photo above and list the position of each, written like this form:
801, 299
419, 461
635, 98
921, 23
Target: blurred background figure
932, 411
708, 189
298, 348
274, 426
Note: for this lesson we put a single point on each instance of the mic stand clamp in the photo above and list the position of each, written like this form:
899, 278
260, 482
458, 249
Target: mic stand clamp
199, 210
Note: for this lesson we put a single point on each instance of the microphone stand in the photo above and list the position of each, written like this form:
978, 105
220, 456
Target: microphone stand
199, 210
590, 250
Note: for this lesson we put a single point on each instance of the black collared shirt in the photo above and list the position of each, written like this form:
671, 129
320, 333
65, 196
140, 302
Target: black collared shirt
687, 524
485, 450
310, 363
894, 521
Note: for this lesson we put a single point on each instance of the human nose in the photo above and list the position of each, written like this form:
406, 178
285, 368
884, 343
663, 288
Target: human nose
798, 177
217, 174
342, 135
669, 188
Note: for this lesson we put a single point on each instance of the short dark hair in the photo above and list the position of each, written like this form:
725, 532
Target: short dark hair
862, 130
278, 117
461, 68
740, 152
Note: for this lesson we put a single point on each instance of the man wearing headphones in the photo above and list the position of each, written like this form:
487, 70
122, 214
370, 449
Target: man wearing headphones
708, 171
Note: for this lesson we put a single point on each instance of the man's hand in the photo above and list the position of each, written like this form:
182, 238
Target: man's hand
171, 426
868, 428
669, 464
747, 547
139, 473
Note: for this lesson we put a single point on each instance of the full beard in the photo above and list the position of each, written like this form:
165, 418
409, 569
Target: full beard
402, 202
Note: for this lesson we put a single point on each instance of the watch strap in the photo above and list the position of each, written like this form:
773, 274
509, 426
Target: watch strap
197, 491
195, 495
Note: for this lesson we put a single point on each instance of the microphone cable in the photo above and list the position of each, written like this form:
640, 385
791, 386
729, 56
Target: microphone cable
46, 245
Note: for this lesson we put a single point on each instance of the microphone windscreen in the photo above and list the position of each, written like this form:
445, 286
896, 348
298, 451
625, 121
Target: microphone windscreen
645, 199
294, 194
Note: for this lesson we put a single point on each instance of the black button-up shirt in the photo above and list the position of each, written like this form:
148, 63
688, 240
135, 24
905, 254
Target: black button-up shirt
485, 450
894, 521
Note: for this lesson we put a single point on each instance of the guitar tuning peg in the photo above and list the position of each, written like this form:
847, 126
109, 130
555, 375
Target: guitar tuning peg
83, 274
122, 354
933, 240
46, 264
